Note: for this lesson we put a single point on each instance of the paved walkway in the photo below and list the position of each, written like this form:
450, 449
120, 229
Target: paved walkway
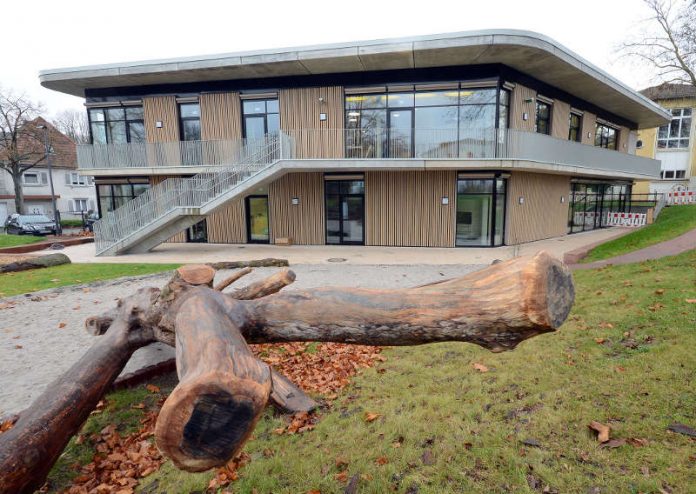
672, 247
320, 254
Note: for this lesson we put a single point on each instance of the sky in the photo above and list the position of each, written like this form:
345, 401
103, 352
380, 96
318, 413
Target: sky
50, 34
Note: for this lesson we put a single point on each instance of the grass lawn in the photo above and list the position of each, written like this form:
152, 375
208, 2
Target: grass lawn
672, 222
625, 358
15, 240
72, 274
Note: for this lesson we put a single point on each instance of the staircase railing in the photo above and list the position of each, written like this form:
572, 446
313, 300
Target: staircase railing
250, 157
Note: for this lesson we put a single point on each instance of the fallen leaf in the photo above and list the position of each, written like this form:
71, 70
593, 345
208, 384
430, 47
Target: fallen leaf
480, 367
61, 325
152, 388
342, 476
17, 347
600, 341
382, 460
341, 462
637, 442
427, 457
371, 416
601, 429
660, 291
614, 443
691, 300
607, 325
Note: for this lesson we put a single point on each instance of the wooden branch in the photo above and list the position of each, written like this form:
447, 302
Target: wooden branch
263, 288
222, 388
288, 397
232, 278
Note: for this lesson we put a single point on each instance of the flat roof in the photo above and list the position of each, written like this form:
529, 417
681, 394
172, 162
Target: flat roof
528, 52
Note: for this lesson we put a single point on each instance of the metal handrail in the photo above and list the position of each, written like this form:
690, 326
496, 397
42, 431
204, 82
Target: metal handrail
250, 157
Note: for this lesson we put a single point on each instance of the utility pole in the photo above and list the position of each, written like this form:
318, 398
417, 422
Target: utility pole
47, 145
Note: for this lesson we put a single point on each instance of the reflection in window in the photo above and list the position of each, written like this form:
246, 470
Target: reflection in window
190, 121
574, 127
445, 123
113, 196
605, 136
261, 117
675, 135
542, 123
480, 212
116, 125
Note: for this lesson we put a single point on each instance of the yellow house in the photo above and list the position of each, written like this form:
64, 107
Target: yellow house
672, 144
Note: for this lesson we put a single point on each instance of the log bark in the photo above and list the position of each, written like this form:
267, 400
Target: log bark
35, 263
232, 278
269, 262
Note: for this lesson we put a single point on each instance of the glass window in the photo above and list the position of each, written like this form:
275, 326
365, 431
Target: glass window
605, 136
574, 127
400, 100
675, 135
113, 196
542, 123
117, 125
261, 117
190, 121
480, 212
437, 98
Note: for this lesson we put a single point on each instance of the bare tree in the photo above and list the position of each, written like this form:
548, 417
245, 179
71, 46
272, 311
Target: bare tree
74, 124
21, 142
668, 41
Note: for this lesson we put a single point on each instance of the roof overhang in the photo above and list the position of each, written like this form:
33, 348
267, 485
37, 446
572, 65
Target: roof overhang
530, 53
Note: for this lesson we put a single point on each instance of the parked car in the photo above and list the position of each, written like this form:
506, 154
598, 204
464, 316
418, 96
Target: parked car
30, 224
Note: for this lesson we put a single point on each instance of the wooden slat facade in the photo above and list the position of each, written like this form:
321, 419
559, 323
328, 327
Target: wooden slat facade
542, 215
228, 224
221, 116
304, 222
519, 107
300, 110
404, 208
560, 119
589, 121
161, 109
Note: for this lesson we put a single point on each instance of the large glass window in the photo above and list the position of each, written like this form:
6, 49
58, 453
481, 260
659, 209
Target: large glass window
605, 136
190, 121
574, 127
480, 212
113, 196
590, 203
542, 123
116, 125
675, 135
261, 117
424, 123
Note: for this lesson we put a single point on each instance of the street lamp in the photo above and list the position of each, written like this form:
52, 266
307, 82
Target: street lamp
47, 145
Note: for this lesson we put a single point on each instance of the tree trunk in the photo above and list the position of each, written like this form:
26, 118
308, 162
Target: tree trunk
18, 191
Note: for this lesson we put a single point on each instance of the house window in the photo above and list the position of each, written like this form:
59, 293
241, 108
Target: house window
542, 123
190, 121
261, 117
75, 179
116, 125
80, 205
676, 134
35, 178
574, 127
605, 136
672, 174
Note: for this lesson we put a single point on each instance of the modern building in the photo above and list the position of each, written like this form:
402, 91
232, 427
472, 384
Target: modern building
467, 139
74, 192
673, 142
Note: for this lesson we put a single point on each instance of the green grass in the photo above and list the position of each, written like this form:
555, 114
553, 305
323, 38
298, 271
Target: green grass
15, 240
473, 424
72, 274
71, 223
672, 222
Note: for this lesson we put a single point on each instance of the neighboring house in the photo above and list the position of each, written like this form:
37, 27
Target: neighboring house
465, 139
74, 192
672, 143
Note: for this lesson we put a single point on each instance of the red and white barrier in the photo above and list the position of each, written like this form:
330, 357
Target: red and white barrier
626, 219
681, 197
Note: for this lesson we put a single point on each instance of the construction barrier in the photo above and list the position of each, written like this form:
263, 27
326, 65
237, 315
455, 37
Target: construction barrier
584, 218
626, 219
681, 197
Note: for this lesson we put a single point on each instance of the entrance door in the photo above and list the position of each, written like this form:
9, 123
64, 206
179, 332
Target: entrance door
257, 220
400, 133
345, 212
198, 233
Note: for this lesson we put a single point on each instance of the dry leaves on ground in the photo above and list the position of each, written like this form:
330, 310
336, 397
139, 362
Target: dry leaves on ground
480, 367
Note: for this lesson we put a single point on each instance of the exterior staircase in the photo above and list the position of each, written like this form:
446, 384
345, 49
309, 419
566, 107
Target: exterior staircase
178, 203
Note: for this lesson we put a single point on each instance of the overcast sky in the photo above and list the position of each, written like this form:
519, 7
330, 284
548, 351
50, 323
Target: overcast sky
50, 34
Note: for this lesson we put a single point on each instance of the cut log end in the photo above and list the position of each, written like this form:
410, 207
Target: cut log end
197, 274
552, 289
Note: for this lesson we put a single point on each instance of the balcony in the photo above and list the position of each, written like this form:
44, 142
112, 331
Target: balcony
465, 145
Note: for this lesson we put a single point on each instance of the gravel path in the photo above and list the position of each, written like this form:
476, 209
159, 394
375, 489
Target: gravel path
42, 335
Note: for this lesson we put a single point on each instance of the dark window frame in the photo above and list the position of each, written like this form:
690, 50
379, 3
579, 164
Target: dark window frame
603, 133
577, 137
112, 196
247, 217
183, 119
265, 114
495, 198
127, 121
538, 118
340, 196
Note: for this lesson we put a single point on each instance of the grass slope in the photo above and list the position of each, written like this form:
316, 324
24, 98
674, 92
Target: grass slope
15, 240
72, 274
446, 428
672, 222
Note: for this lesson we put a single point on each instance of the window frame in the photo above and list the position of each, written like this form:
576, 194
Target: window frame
127, 123
182, 120
678, 138
263, 115
578, 128
604, 143
539, 103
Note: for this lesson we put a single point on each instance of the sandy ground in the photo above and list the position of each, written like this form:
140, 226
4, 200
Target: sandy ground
35, 349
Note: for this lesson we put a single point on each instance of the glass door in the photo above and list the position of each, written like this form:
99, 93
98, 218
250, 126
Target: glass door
198, 233
257, 220
345, 212
400, 133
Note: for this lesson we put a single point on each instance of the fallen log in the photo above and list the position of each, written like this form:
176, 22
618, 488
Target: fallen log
269, 262
35, 263
223, 388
